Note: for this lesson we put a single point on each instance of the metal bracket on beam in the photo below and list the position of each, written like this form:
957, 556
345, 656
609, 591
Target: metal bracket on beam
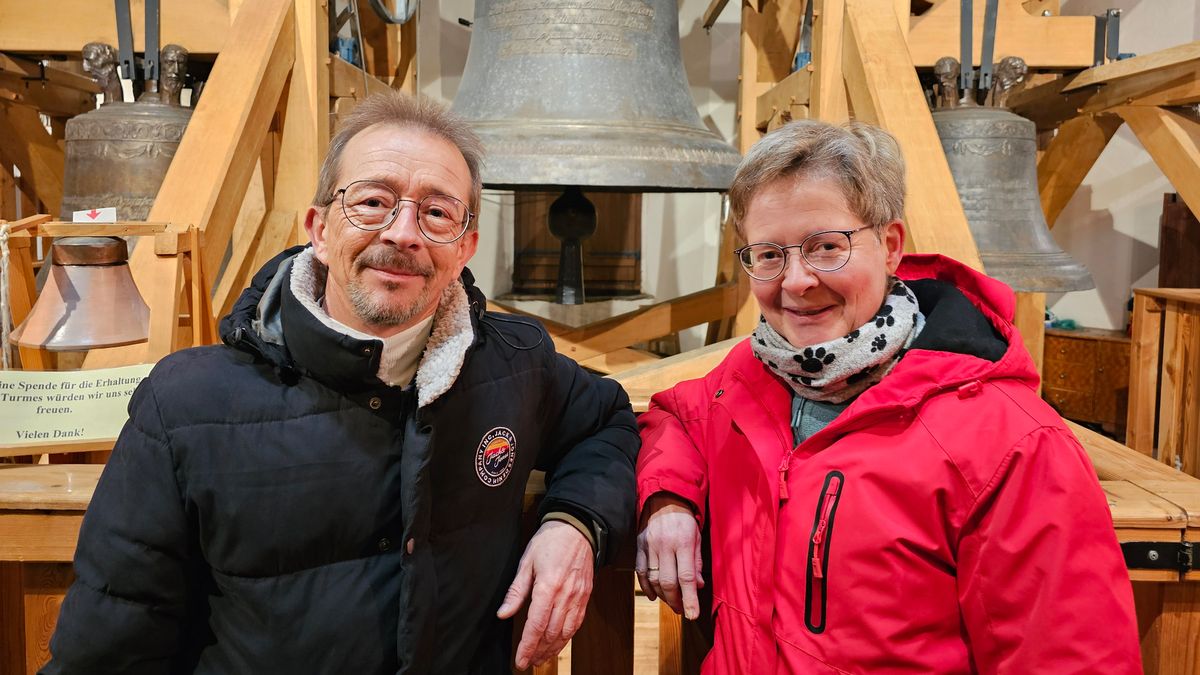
1159, 555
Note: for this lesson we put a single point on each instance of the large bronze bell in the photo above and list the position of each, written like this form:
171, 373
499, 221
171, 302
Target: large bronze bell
118, 154
586, 94
89, 299
993, 156
590, 93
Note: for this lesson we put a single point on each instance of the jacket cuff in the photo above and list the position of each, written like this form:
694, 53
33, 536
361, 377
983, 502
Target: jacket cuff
584, 529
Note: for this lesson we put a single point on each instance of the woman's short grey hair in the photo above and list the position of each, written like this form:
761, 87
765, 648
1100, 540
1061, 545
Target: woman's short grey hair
864, 159
404, 112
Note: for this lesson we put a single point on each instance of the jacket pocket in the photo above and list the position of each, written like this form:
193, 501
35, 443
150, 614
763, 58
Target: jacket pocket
816, 595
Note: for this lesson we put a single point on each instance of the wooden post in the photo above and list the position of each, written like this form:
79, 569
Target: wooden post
306, 116
43, 586
828, 100
1030, 320
1143, 373
604, 643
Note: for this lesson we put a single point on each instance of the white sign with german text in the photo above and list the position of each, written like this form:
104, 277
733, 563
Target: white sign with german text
44, 407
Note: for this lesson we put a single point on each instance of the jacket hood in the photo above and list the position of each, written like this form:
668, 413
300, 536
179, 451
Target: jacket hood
968, 338
273, 320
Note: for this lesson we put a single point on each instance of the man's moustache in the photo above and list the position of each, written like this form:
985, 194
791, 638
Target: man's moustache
382, 257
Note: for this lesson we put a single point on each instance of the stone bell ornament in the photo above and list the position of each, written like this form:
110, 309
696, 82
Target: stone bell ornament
993, 156
118, 154
586, 93
89, 300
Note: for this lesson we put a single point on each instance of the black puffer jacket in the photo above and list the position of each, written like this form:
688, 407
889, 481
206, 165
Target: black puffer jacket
272, 507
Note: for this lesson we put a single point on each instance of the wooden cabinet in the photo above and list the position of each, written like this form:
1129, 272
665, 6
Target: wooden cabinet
1085, 375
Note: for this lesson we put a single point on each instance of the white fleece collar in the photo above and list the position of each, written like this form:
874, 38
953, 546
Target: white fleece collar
445, 337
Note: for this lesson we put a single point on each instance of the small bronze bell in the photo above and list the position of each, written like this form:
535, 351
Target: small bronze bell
89, 299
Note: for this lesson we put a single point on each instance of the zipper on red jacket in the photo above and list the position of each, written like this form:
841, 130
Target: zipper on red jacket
816, 587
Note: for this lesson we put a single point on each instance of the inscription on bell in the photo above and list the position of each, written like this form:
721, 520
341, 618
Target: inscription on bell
576, 27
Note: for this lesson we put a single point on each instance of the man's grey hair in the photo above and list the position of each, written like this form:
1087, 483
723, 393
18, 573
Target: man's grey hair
863, 159
404, 112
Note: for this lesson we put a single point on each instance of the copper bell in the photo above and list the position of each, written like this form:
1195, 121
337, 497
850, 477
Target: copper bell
89, 299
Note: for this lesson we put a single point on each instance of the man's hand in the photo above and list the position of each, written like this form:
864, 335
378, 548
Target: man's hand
668, 562
557, 565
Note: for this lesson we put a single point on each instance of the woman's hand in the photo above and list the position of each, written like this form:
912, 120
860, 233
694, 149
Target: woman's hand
668, 562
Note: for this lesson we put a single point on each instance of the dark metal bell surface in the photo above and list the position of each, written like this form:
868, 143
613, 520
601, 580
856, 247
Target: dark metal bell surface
587, 92
993, 157
118, 154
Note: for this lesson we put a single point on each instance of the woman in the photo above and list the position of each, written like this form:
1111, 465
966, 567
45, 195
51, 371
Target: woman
883, 489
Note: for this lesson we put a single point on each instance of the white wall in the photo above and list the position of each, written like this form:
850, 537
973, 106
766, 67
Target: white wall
1111, 225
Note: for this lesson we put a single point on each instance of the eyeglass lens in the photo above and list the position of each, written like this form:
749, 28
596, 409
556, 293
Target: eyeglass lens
824, 251
374, 206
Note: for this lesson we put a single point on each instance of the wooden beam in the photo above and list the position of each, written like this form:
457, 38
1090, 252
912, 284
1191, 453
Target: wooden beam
305, 134
1167, 78
828, 91
65, 26
1046, 105
780, 35
1185, 54
1173, 141
35, 152
1176, 85
55, 73
647, 323
715, 7
884, 89
643, 382
785, 101
1044, 42
208, 178
46, 98
619, 360
1071, 154
348, 80
247, 232
751, 37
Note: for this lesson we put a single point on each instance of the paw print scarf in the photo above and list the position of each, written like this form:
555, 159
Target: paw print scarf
838, 370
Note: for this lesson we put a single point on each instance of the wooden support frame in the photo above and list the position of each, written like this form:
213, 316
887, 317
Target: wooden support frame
1173, 140
202, 26
611, 337
1071, 154
1044, 42
35, 152
884, 90
1164, 377
208, 178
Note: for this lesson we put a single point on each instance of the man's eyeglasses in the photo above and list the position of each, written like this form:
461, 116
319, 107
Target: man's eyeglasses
372, 206
826, 251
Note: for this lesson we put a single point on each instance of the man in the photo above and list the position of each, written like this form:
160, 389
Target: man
338, 488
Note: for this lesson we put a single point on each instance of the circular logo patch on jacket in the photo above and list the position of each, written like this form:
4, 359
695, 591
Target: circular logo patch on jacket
495, 457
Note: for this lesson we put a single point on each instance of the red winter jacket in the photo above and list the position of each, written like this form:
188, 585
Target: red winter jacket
945, 522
